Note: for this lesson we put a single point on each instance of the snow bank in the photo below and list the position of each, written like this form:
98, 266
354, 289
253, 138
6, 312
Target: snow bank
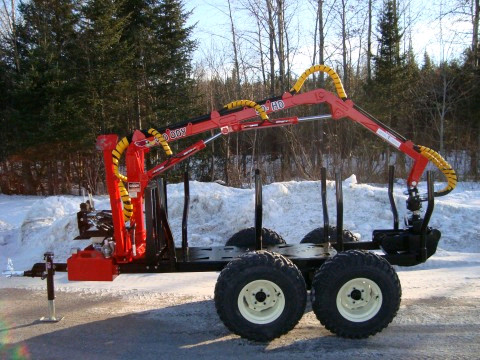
30, 226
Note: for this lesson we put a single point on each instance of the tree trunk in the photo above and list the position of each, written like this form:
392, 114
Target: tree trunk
13, 29
271, 38
369, 42
28, 181
321, 41
235, 52
443, 111
314, 58
212, 162
476, 9
288, 73
344, 44
281, 46
227, 160
260, 48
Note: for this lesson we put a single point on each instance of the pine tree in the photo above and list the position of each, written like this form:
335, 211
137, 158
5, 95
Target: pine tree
389, 63
160, 75
106, 68
6, 84
174, 90
389, 86
427, 63
45, 97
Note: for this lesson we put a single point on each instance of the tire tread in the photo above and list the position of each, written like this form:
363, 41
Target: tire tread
335, 269
266, 260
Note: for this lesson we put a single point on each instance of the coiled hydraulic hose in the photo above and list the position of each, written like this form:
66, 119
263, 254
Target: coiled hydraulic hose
127, 202
159, 137
443, 166
320, 68
116, 156
248, 103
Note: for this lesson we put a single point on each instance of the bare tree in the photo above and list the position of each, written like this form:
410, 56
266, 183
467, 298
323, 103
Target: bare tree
475, 44
235, 50
369, 40
272, 45
260, 49
323, 16
8, 28
438, 97
281, 38
343, 20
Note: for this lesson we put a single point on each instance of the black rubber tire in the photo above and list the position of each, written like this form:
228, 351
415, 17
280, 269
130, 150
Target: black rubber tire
354, 265
264, 266
316, 236
246, 238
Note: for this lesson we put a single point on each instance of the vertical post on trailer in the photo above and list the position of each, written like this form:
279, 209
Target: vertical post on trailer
165, 197
326, 225
150, 224
391, 171
49, 273
186, 204
426, 219
339, 197
258, 210
163, 227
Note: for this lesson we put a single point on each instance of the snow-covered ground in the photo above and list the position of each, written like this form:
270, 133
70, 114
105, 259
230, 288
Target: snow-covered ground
438, 295
30, 226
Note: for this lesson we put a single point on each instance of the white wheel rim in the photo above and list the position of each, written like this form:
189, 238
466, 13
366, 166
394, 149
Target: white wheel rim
261, 301
359, 300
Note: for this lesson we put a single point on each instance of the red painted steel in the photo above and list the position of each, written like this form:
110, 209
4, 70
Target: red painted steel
89, 264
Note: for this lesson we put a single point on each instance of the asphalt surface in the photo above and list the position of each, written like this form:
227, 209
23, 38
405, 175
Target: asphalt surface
161, 326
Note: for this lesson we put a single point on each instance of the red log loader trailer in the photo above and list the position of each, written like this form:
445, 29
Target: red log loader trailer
261, 291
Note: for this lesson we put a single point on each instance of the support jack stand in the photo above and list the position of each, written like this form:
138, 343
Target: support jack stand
48, 274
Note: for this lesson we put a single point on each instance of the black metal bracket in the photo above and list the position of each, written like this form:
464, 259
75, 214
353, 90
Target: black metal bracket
159, 235
186, 205
339, 198
326, 224
163, 227
426, 218
391, 173
258, 210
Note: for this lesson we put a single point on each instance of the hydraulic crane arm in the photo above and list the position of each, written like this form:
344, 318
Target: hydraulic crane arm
240, 115
243, 115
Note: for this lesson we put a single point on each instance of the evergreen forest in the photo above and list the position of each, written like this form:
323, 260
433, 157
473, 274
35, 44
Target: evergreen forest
71, 70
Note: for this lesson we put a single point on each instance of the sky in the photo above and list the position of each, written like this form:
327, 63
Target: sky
442, 40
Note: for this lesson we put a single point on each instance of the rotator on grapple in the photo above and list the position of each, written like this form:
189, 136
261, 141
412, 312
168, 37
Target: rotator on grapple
355, 293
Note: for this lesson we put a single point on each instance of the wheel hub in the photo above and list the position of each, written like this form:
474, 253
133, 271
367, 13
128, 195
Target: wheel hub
261, 301
356, 294
359, 300
260, 296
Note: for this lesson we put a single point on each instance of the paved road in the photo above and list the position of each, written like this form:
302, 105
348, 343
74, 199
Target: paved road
161, 326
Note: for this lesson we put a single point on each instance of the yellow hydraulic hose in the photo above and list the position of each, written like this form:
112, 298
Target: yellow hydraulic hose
159, 137
322, 68
248, 103
116, 156
443, 166
127, 202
